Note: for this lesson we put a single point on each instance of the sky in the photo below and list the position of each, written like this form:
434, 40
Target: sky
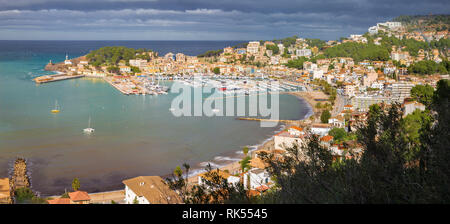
200, 19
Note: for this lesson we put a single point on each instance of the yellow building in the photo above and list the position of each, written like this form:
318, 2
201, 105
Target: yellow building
5, 193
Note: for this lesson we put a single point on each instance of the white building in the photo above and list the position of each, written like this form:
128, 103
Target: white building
124, 68
320, 129
373, 30
138, 62
287, 139
230, 178
67, 61
149, 190
253, 47
257, 178
303, 52
410, 107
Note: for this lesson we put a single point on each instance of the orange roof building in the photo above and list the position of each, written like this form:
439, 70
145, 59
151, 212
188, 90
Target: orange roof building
59, 201
79, 197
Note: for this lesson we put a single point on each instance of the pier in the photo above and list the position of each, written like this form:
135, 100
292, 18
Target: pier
54, 78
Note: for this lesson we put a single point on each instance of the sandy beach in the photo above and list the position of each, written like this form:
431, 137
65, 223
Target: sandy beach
268, 145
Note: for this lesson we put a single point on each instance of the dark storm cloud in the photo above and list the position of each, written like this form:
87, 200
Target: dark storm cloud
200, 19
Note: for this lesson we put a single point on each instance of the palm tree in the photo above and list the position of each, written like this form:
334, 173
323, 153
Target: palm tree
245, 150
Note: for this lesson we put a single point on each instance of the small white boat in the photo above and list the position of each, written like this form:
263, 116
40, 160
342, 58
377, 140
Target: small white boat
89, 129
215, 110
56, 110
171, 109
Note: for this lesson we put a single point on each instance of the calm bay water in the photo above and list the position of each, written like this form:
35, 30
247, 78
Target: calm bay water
134, 135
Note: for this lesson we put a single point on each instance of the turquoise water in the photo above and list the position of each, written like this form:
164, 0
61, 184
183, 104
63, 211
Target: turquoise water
134, 135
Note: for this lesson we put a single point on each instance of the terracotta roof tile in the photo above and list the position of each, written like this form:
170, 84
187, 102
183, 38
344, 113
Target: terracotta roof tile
79, 196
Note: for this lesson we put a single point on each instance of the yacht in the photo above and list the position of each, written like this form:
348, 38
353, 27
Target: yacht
89, 129
56, 110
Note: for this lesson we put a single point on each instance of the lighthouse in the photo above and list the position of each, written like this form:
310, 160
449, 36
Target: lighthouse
67, 61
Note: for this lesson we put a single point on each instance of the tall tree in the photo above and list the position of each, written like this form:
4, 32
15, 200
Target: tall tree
76, 184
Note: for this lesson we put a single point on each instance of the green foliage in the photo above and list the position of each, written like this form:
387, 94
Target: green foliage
423, 94
216, 70
65, 195
25, 195
412, 124
112, 55
178, 171
135, 69
288, 41
385, 172
426, 20
412, 45
325, 116
297, 63
274, 48
443, 44
285, 53
326, 88
315, 43
358, 51
245, 150
245, 163
212, 53
396, 165
113, 69
427, 67
338, 134
76, 184
215, 189
135, 201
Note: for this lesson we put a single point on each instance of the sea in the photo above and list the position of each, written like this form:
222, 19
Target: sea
134, 135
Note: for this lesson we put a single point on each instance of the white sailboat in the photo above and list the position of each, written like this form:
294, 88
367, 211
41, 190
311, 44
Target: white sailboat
56, 110
89, 129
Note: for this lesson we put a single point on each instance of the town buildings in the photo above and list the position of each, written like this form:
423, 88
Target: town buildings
149, 190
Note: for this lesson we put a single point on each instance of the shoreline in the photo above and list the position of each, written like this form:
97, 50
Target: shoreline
268, 143
230, 161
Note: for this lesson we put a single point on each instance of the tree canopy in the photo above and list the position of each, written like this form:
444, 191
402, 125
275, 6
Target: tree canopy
113, 55
358, 51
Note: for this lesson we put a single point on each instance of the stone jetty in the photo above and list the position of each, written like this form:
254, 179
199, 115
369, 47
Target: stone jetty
19, 177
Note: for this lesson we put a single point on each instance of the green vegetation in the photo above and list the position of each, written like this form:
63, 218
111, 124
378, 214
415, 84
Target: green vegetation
425, 20
212, 53
25, 195
386, 171
315, 43
412, 125
411, 45
65, 195
76, 184
326, 88
288, 41
325, 116
400, 163
426, 67
297, 63
340, 135
216, 70
112, 55
443, 44
358, 51
274, 48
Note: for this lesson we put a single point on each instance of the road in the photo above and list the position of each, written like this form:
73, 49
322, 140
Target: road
338, 105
